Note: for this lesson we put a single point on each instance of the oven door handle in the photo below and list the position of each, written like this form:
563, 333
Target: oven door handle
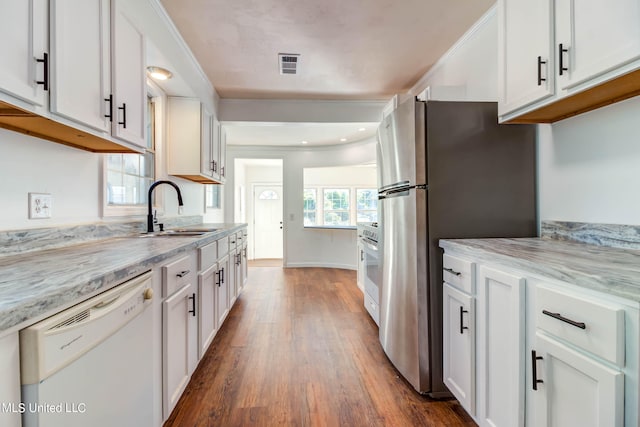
371, 244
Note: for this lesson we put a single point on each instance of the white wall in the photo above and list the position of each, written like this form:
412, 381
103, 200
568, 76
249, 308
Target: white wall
308, 247
590, 166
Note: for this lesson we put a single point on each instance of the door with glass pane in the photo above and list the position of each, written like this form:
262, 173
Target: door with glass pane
267, 217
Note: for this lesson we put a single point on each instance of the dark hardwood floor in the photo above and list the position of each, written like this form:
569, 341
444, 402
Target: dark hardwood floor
299, 349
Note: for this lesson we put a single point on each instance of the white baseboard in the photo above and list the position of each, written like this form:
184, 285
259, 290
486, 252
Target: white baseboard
320, 265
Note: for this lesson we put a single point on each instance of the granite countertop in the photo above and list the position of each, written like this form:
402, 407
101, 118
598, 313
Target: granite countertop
40, 283
614, 271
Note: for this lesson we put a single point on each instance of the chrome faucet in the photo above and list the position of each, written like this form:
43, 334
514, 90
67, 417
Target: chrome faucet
149, 215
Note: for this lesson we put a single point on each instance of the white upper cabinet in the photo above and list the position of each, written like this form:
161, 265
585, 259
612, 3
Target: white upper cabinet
559, 58
24, 50
525, 74
593, 37
80, 68
128, 79
192, 152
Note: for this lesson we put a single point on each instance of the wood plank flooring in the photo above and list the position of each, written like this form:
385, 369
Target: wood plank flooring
299, 349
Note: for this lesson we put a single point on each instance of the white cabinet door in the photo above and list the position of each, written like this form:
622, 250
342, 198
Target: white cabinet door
222, 297
222, 157
360, 272
177, 345
206, 148
23, 31
459, 346
10, 384
207, 321
80, 73
245, 265
500, 349
215, 147
233, 277
525, 53
574, 389
597, 36
128, 79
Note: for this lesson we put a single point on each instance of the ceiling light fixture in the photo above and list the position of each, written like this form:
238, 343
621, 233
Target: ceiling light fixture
305, 142
343, 139
362, 129
159, 73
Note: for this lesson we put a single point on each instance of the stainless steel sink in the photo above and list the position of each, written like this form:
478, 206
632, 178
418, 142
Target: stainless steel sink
174, 233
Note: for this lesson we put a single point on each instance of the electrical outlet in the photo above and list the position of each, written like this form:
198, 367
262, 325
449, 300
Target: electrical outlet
40, 205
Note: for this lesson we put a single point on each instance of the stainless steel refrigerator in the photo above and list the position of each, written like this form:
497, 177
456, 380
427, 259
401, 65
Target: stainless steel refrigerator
445, 170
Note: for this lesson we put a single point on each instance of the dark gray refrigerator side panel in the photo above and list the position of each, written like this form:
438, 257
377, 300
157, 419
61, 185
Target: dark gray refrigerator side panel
481, 178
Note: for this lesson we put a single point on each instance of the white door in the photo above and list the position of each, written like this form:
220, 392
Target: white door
500, 348
459, 346
573, 389
267, 220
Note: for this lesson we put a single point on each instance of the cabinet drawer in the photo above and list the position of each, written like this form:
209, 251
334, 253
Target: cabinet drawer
372, 290
592, 325
223, 247
459, 273
207, 256
176, 275
232, 241
372, 307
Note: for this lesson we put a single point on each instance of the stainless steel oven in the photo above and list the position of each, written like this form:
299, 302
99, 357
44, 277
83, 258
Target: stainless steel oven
372, 271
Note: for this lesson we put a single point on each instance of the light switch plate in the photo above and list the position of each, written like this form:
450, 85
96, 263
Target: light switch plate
40, 205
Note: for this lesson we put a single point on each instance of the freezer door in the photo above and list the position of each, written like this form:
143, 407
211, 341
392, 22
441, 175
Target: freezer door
401, 146
403, 300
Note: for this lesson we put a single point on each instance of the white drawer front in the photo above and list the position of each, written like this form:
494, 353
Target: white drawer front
223, 247
594, 326
176, 275
372, 308
372, 290
207, 256
459, 273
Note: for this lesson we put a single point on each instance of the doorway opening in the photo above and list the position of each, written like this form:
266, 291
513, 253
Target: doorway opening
260, 203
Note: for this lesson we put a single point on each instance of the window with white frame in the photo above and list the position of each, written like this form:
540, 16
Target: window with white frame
366, 205
336, 206
310, 197
342, 206
128, 176
212, 196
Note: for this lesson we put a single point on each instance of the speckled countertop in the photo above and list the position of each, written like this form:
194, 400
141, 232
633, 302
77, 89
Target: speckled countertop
37, 283
611, 270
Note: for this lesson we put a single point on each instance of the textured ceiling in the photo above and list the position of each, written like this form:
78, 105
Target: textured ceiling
350, 49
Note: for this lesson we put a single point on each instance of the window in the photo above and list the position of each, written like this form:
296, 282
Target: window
212, 196
268, 195
336, 206
366, 205
128, 176
310, 200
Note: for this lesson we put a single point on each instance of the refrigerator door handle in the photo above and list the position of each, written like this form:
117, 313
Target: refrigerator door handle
391, 187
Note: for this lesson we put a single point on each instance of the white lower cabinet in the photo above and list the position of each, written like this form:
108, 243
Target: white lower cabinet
573, 389
459, 346
500, 355
222, 296
207, 321
537, 351
179, 330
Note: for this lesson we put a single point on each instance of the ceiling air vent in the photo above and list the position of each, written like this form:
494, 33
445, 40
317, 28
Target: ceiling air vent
288, 63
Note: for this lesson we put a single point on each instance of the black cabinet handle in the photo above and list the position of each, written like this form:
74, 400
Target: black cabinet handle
560, 317
462, 311
218, 282
193, 307
452, 271
540, 63
222, 171
222, 275
183, 273
110, 101
534, 369
124, 115
45, 77
561, 52
361, 255
214, 166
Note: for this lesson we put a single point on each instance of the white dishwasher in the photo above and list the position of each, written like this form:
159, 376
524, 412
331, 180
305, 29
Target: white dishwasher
91, 365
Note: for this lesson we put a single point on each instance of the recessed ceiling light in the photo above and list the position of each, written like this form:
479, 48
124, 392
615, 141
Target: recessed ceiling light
343, 139
305, 142
362, 129
159, 73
